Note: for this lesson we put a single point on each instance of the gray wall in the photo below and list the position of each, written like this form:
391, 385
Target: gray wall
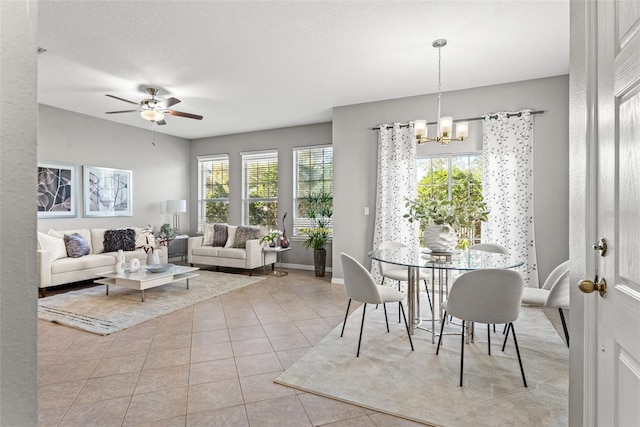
355, 153
18, 281
160, 172
284, 140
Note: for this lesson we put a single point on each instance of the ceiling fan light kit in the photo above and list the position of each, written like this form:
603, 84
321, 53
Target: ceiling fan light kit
444, 126
153, 109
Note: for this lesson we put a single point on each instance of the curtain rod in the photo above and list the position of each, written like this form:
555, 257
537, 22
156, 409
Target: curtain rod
472, 119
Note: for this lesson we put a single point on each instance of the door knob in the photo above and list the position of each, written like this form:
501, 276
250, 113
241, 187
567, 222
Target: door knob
587, 286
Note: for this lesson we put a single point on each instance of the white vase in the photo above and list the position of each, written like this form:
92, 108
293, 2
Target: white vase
153, 258
120, 262
440, 238
134, 265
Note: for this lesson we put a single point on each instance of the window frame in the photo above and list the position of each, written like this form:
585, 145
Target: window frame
222, 159
300, 222
247, 158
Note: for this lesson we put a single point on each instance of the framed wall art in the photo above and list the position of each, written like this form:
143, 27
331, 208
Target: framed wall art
57, 190
107, 192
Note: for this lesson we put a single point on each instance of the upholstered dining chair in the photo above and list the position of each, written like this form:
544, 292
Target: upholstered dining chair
360, 286
398, 273
490, 247
485, 296
553, 294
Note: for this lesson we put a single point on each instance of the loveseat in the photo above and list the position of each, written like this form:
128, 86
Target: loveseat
75, 255
224, 245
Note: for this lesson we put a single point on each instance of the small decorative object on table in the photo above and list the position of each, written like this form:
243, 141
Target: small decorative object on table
120, 262
158, 268
284, 241
134, 265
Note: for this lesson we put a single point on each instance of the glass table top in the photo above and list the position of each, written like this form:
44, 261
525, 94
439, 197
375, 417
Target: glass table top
455, 260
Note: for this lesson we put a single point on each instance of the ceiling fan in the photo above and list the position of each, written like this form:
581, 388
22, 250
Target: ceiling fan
153, 109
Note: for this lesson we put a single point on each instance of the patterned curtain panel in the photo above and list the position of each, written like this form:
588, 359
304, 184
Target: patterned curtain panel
507, 186
396, 183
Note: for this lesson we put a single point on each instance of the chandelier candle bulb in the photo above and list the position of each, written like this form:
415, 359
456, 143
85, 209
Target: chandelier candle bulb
446, 126
420, 128
462, 130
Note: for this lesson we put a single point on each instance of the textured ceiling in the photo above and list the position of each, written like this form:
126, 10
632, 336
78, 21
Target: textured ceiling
248, 66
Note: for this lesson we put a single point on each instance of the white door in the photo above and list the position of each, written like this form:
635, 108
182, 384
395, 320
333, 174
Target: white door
615, 350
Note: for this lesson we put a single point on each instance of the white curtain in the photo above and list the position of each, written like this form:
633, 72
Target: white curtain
507, 187
396, 183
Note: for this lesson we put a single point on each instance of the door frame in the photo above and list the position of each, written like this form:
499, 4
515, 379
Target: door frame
583, 142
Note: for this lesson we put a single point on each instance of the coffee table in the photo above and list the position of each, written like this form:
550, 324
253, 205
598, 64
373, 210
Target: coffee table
144, 279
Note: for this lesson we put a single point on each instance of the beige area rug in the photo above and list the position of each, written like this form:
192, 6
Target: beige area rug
91, 310
420, 386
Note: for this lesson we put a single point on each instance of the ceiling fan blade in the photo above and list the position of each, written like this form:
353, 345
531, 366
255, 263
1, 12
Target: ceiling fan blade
161, 122
122, 99
167, 102
181, 114
123, 111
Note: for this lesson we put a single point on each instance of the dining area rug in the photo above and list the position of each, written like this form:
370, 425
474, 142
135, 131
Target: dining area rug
90, 309
418, 385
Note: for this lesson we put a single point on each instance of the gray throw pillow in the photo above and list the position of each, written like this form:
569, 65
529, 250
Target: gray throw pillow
124, 239
76, 245
220, 234
243, 234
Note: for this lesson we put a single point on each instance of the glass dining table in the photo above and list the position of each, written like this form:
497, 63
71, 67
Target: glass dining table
442, 263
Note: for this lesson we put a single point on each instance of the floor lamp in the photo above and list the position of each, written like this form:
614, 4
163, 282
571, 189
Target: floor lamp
176, 207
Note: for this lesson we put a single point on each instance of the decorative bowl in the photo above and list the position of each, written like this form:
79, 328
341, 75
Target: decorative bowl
158, 268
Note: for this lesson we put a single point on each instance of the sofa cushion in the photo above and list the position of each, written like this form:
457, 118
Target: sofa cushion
84, 232
66, 265
76, 245
220, 234
231, 232
232, 253
211, 251
207, 238
52, 244
121, 239
97, 240
243, 234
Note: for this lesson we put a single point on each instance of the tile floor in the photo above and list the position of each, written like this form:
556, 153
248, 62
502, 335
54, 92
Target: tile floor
212, 364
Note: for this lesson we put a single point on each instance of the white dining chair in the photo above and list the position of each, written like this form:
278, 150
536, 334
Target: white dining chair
553, 294
490, 247
400, 273
360, 286
485, 296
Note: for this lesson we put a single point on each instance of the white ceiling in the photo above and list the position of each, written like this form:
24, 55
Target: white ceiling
255, 65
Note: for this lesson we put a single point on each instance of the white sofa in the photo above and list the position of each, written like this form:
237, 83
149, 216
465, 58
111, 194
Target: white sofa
249, 257
57, 268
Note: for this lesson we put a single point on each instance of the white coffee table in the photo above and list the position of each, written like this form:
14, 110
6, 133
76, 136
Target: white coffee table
144, 279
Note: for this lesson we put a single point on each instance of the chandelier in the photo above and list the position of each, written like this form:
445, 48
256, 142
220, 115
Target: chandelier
444, 124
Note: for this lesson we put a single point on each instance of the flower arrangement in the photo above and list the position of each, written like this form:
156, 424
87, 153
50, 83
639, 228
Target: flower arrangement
147, 247
447, 212
271, 236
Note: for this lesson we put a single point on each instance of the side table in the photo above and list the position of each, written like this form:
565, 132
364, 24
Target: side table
183, 247
278, 250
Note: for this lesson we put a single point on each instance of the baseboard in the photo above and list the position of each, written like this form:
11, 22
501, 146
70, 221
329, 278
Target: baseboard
301, 267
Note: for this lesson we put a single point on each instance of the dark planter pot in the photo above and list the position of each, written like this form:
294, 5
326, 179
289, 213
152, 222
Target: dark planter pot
320, 261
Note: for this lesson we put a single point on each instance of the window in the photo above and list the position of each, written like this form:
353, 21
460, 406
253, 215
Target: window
213, 189
454, 177
260, 188
313, 175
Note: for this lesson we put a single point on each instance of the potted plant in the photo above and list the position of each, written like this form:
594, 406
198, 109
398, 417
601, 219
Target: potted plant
165, 235
271, 237
444, 221
319, 208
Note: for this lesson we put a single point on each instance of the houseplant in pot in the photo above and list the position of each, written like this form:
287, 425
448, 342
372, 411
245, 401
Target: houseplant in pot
447, 224
318, 207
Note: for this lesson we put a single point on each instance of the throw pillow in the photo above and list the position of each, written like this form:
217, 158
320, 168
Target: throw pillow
220, 234
76, 245
207, 240
115, 240
243, 234
231, 235
54, 245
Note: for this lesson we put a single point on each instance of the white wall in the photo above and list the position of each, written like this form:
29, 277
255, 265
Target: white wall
355, 157
159, 173
284, 140
18, 281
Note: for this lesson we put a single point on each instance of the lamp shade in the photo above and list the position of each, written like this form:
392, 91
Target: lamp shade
176, 206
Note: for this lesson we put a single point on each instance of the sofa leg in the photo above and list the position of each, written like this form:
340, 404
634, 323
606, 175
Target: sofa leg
42, 292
